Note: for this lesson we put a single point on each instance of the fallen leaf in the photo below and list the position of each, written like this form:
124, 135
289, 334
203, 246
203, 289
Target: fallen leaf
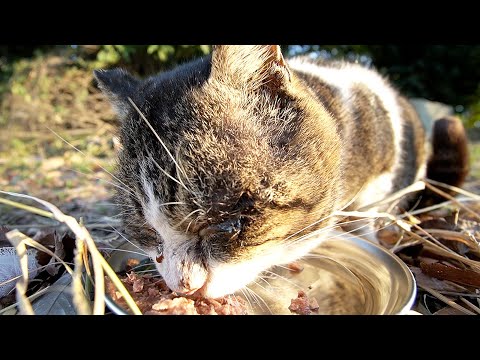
58, 300
445, 272
425, 280
47, 239
10, 269
60, 245
53, 267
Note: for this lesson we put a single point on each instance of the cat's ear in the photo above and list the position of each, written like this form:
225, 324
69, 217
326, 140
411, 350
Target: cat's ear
250, 66
118, 85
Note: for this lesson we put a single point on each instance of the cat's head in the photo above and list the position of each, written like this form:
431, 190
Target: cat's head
224, 161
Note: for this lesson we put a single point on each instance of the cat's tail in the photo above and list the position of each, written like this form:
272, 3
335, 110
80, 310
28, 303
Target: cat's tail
449, 159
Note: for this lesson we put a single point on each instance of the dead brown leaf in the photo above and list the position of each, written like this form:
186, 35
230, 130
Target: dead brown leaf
436, 284
445, 272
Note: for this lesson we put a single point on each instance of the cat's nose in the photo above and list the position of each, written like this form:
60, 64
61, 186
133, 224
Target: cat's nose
224, 231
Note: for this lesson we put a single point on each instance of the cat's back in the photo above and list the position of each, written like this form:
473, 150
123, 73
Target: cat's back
383, 138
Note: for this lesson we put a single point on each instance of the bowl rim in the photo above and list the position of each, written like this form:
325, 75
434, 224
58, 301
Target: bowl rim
411, 282
365, 244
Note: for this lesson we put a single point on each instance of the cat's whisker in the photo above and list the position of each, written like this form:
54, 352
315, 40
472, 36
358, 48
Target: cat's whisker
263, 288
172, 203
264, 280
278, 276
283, 267
122, 214
373, 231
326, 217
38, 269
145, 271
122, 250
158, 137
196, 203
167, 174
179, 161
130, 242
186, 217
234, 299
245, 295
258, 298
320, 231
190, 223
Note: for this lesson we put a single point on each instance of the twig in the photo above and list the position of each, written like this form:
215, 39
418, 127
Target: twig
445, 195
454, 188
455, 236
469, 304
28, 208
446, 300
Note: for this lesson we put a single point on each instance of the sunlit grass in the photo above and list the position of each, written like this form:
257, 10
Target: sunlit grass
475, 159
43, 163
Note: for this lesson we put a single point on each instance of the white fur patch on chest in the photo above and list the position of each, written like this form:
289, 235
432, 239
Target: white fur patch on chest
376, 190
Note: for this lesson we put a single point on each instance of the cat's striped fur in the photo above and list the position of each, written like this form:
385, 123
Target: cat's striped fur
261, 152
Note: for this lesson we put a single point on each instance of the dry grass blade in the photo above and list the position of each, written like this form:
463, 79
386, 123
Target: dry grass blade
438, 206
454, 188
449, 197
454, 236
470, 305
86, 263
399, 247
99, 263
434, 248
418, 186
23, 303
460, 294
429, 236
373, 214
447, 300
81, 305
35, 244
408, 229
79, 295
31, 209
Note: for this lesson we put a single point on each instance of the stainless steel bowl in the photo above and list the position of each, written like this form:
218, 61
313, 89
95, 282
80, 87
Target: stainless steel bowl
346, 275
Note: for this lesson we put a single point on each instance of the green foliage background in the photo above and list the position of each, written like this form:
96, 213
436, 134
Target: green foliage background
444, 73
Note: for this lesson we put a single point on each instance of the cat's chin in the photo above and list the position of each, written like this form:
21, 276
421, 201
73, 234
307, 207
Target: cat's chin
227, 278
